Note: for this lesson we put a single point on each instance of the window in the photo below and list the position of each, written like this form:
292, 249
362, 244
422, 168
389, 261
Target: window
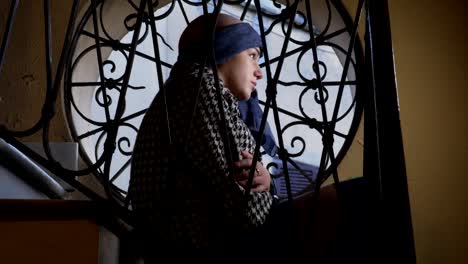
300, 108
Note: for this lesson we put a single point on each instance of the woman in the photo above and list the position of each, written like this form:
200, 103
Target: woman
185, 192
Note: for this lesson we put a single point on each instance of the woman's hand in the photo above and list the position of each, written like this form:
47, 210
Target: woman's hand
262, 179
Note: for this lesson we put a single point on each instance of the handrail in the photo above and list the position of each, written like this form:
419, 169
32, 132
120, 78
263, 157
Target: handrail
26, 169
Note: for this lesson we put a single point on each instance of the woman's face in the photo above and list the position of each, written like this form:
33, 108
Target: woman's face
241, 72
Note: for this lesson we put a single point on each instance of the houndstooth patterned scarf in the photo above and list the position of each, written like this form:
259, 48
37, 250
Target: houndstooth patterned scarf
184, 192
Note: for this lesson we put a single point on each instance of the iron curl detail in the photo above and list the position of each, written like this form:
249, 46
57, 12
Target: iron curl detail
126, 140
304, 83
276, 173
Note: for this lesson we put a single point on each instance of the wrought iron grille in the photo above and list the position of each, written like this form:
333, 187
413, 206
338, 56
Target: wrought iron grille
90, 35
307, 89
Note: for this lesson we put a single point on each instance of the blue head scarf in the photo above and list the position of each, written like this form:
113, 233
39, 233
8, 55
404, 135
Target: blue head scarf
234, 39
229, 42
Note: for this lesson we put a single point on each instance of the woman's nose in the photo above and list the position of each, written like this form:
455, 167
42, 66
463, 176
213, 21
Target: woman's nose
258, 72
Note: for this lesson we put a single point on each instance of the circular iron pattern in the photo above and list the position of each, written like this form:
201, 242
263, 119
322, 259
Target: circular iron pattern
312, 91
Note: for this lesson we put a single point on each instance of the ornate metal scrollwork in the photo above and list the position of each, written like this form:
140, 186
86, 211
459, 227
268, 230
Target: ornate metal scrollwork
316, 90
307, 83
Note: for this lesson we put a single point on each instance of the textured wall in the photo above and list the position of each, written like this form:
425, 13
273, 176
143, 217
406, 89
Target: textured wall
23, 76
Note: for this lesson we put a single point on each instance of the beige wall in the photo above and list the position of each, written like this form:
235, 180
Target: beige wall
23, 77
429, 39
23, 73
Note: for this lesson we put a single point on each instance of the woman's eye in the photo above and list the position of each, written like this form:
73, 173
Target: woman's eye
252, 56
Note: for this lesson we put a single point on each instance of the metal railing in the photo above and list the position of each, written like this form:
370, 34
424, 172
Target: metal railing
374, 90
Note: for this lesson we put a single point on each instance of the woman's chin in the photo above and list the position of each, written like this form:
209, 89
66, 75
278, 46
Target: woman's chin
243, 97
